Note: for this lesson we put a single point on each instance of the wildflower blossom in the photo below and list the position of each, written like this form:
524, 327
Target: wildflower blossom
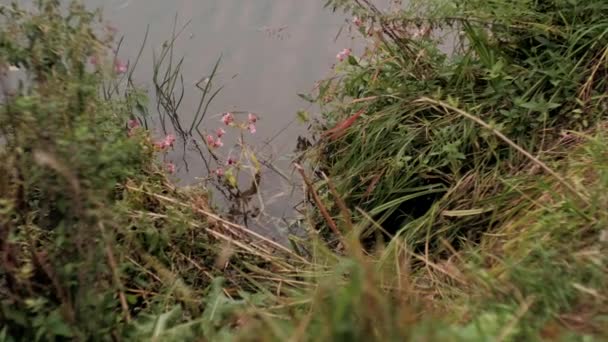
220, 132
342, 55
133, 123
228, 119
120, 67
169, 140
166, 142
252, 118
214, 142
357, 21
219, 172
251, 128
170, 168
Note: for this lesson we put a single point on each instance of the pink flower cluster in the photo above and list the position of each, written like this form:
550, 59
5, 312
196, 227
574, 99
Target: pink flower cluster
228, 119
214, 142
342, 55
170, 168
167, 142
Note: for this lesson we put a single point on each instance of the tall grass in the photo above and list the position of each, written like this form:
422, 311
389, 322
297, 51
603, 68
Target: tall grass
523, 72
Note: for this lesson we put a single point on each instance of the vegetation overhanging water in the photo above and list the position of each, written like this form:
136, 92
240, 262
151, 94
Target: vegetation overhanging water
450, 195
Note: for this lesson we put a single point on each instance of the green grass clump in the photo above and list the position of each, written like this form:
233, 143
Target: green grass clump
427, 149
540, 275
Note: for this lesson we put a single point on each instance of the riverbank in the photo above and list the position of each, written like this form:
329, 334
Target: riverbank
451, 196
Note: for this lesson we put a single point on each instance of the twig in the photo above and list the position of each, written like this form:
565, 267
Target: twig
324, 212
226, 222
343, 208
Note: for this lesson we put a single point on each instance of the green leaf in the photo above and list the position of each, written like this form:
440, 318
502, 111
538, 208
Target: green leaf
163, 320
307, 98
303, 116
400, 200
230, 178
56, 326
352, 61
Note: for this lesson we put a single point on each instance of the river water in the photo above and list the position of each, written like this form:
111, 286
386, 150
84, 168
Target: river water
272, 50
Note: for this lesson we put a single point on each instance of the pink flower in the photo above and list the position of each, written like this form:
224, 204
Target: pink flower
251, 128
357, 21
230, 161
166, 142
169, 140
342, 55
227, 119
252, 118
213, 142
120, 67
170, 168
219, 172
220, 132
133, 123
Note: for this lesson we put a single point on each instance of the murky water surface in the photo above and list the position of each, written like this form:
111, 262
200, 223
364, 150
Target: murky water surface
272, 50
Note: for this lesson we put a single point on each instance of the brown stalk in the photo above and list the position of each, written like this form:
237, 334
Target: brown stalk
330, 221
343, 208
219, 219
